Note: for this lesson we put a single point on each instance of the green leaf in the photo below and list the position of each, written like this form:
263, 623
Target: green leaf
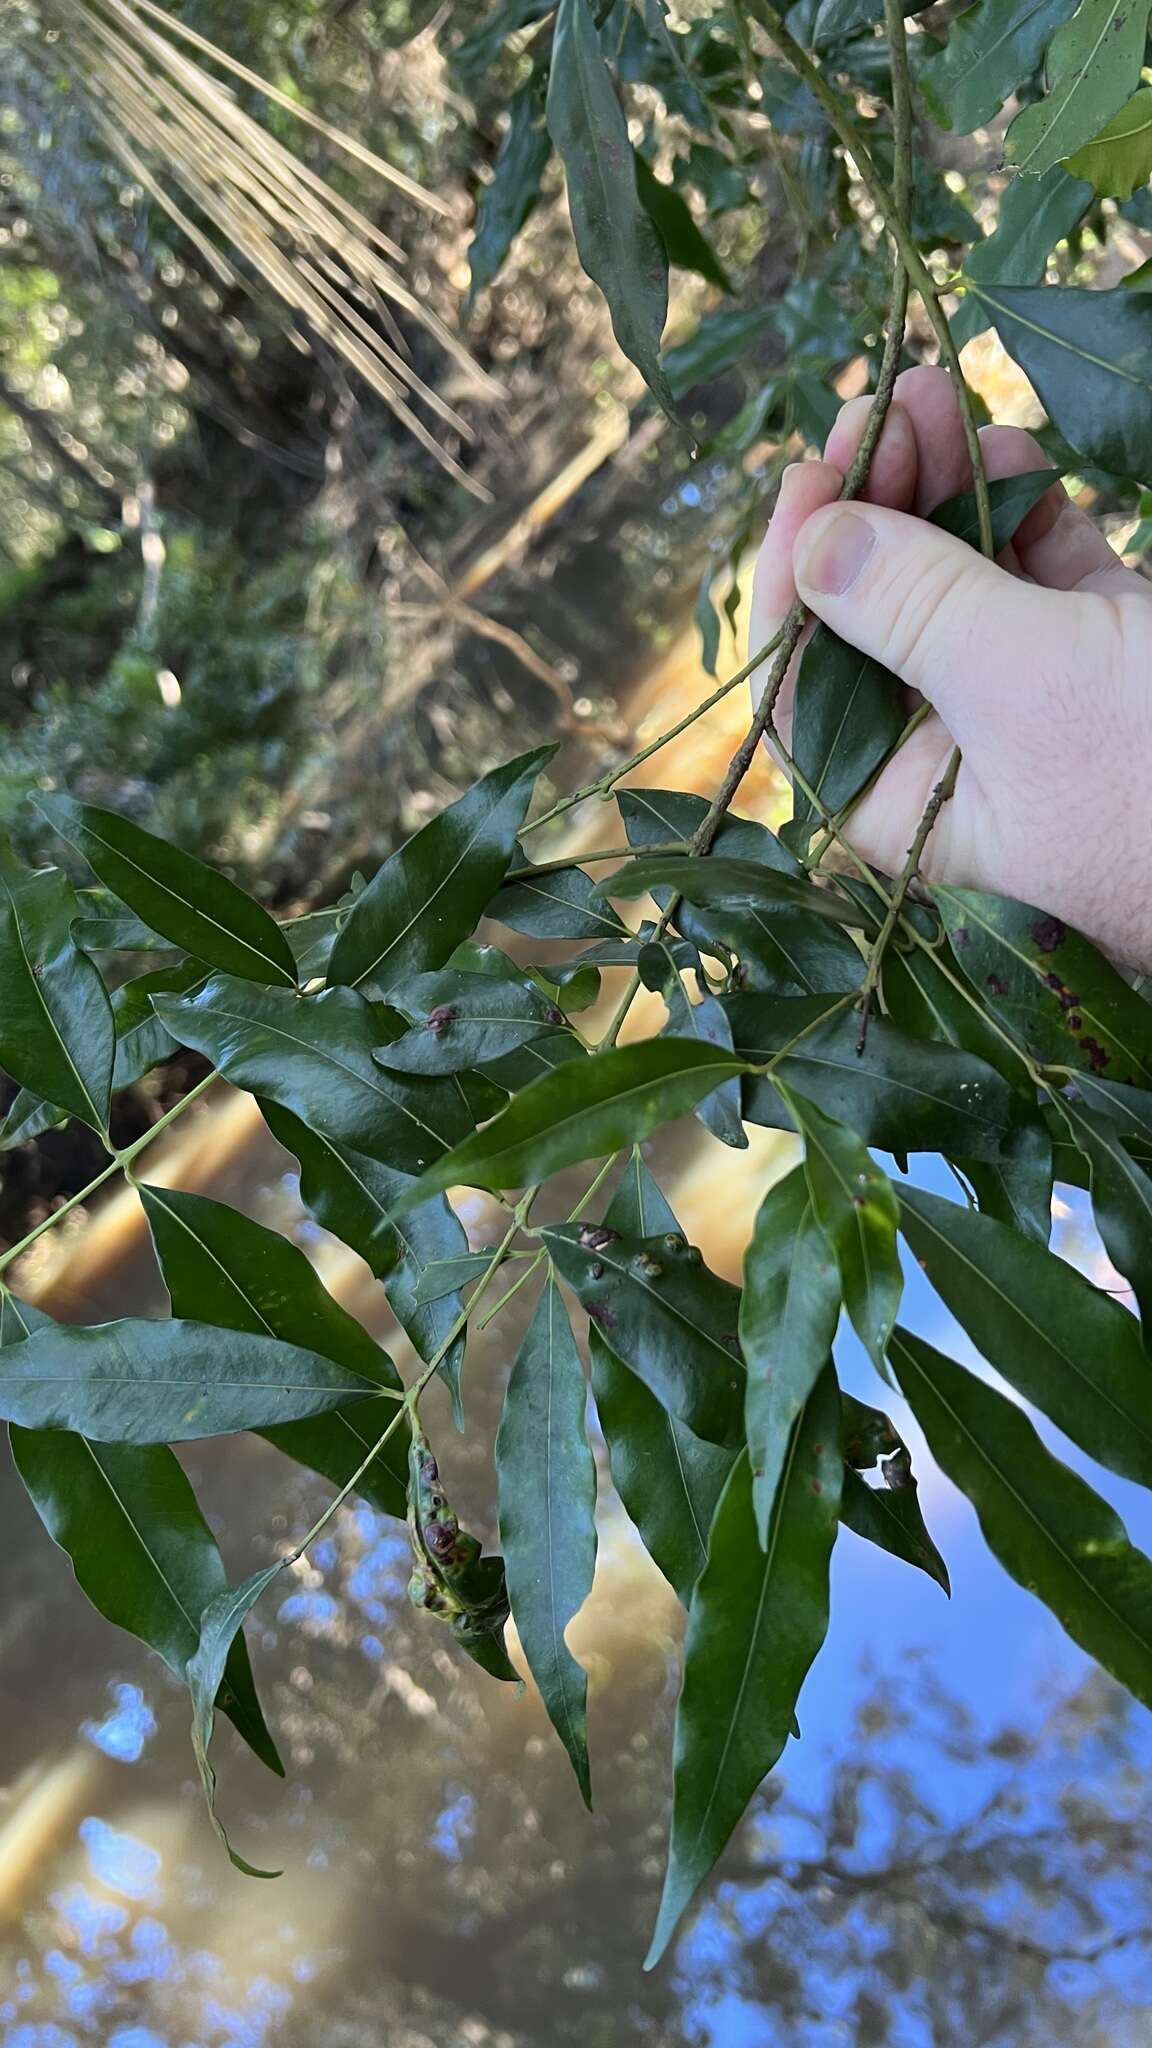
668, 1479
668, 1318
718, 879
1034, 215
141, 1039
893, 1520
707, 620
547, 1494
1067, 1348
1121, 1200
462, 1020
312, 938
316, 1059
432, 892
194, 906
1010, 499
854, 1204
849, 715
140, 1382
356, 1199
220, 1626
1061, 999
1017, 1189
757, 1620
707, 1021
902, 1093
583, 1110
506, 202
1093, 65
1086, 353
684, 244
991, 49
616, 239
788, 1315
57, 1038
447, 1276
226, 1269
28, 1118
1049, 1530
1120, 157
515, 1070
717, 344
562, 904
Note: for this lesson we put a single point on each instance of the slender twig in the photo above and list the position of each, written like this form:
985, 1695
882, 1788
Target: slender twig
572, 860
590, 1191
939, 797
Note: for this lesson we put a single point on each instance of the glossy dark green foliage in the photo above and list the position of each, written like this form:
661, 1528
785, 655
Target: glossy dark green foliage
1046, 1526
789, 1311
1064, 1345
1035, 214
57, 1037
505, 203
854, 1204
1061, 999
315, 1058
221, 1266
684, 244
758, 1618
668, 1478
583, 1110
429, 895
890, 1516
194, 906
1086, 353
1092, 65
220, 1629
716, 345
142, 1042
618, 242
1010, 499
547, 1501
721, 879
705, 1019
1121, 1199
665, 1315
463, 1020
991, 49
562, 904
28, 1118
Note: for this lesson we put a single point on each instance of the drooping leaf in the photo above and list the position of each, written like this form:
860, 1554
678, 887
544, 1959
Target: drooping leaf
561, 904
707, 620
141, 1039
57, 1038
1071, 1351
991, 49
854, 1204
788, 1315
583, 1110
668, 1479
1093, 65
141, 1382
430, 894
707, 1021
229, 1270
451, 1577
1120, 157
506, 202
617, 241
1061, 999
356, 1199
547, 1506
1086, 353
175, 894
220, 1625
674, 1323
757, 1620
1121, 1199
1047, 1527
685, 245
719, 879
315, 1058
481, 49
1034, 215
463, 1020
892, 1519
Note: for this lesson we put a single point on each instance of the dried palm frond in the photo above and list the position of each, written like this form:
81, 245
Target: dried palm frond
172, 124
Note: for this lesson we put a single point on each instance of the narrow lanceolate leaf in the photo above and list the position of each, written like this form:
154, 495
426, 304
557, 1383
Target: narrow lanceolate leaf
719, 879
684, 244
505, 204
583, 1110
140, 1382
849, 715
893, 1520
1086, 353
1070, 1350
757, 1620
1063, 1000
175, 894
560, 903
315, 1058
617, 241
991, 49
357, 1199
901, 1092
229, 1270
788, 1315
707, 1021
1035, 214
854, 1203
430, 894
1120, 157
670, 1319
57, 1038
1093, 65
1048, 1529
220, 1626
668, 1479
1121, 1199
547, 1496
1010, 499
142, 1041
462, 1020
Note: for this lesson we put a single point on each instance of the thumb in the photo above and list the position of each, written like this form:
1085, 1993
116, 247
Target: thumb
950, 623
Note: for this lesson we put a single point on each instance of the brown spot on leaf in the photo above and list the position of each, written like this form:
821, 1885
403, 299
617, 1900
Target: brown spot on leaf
1048, 933
439, 1019
997, 984
594, 1236
961, 936
1098, 1059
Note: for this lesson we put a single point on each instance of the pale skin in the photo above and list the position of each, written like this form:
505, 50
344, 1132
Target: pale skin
1038, 665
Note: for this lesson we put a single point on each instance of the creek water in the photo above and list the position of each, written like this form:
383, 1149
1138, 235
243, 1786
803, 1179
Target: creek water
442, 1885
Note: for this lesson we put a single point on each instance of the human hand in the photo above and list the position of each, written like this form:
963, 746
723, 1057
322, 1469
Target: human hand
1039, 666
